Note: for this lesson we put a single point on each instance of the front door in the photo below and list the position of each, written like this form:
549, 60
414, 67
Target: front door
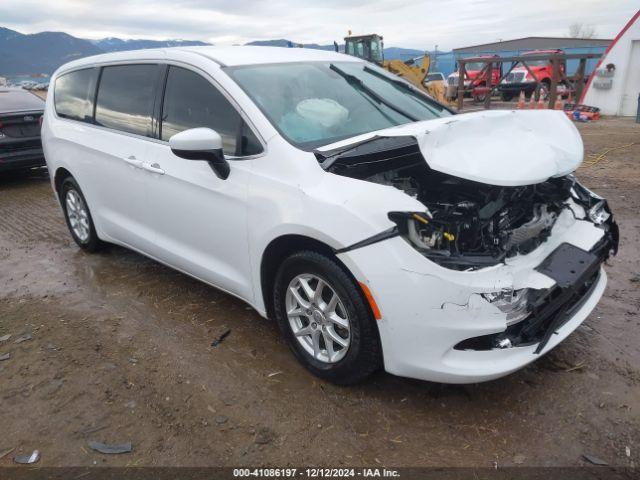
200, 220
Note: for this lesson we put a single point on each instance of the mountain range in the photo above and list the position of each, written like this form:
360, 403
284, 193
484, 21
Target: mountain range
22, 54
390, 53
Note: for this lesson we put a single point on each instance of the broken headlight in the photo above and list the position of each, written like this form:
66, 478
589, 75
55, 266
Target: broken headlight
596, 207
513, 303
582, 193
598, 214
438, 239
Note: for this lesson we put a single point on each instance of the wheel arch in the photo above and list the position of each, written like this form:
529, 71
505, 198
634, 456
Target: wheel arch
60, 175
280, 248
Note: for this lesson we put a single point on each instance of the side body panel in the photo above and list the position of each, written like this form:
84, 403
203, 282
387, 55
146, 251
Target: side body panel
114, 189
199, 221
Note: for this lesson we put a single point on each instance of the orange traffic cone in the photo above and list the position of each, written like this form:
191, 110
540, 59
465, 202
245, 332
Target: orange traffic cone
559, 105
521, 100
532, 101
541, 103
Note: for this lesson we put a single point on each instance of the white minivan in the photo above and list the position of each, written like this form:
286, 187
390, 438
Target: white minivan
377, 227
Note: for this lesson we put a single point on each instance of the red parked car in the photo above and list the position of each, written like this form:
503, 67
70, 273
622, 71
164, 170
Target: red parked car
520, 79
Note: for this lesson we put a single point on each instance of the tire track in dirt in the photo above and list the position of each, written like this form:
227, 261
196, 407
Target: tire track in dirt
30, 215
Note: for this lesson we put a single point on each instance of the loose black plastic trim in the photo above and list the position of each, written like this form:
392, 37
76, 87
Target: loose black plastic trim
326, 158
567, 264
371, 156
379, 237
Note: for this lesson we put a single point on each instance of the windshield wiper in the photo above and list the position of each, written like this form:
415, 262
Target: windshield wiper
353, 80
398, 82
405, 86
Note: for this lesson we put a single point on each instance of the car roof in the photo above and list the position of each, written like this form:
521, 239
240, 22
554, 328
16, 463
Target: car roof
19, 100
225, 56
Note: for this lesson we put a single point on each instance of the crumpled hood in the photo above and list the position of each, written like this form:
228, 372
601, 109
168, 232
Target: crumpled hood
496, 147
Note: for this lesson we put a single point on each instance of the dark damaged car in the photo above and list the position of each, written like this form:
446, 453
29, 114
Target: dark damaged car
20, 117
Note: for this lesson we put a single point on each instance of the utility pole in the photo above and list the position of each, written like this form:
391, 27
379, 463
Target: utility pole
435, 57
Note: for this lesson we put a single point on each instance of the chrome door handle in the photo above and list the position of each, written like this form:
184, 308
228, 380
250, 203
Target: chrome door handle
131, 160
153, 167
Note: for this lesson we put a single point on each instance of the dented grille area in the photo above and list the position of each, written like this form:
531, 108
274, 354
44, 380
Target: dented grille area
554, 308
550, 309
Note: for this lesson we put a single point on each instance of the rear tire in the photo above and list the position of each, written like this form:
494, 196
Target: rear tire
506, 96
313, 327
78, 217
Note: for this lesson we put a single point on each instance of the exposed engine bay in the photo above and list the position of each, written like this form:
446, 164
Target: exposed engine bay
482, 223
466, 224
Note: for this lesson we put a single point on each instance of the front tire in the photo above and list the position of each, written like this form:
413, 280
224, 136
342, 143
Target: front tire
78, 216
325, 320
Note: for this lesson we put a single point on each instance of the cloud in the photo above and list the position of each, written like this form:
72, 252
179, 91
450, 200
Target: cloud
407, 23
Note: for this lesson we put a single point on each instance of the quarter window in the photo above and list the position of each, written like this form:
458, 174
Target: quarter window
125, 98
190, 101
74, 93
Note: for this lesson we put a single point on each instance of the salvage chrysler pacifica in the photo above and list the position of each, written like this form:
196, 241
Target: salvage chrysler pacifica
378, 228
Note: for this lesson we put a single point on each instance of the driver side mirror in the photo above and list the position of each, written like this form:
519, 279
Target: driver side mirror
201, 144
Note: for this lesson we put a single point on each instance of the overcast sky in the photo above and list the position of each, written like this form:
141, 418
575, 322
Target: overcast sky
406, 23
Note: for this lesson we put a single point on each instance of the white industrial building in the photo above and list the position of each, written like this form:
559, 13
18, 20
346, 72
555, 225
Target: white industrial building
614, 86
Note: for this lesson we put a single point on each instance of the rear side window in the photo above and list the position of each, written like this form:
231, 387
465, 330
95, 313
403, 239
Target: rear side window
191, 101
125, 98
74, 93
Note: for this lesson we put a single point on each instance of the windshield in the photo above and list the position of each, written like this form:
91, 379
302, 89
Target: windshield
474, 66
318, 103
368, 49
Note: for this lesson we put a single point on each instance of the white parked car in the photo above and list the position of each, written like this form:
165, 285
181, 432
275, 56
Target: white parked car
434, 77
379, 229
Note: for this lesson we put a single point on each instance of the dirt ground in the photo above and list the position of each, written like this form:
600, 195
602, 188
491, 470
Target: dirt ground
120, 351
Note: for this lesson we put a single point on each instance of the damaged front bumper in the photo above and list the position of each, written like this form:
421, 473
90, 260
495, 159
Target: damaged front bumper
440, 325
576, 273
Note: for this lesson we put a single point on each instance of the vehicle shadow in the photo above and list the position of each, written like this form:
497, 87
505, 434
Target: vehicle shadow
22, 178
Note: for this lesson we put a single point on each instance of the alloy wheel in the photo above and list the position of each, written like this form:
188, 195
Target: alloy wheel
318, 318
78, 215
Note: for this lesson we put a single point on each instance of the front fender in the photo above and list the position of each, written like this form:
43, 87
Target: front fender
337, 211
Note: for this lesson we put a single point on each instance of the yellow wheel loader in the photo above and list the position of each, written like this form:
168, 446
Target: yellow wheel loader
371, 48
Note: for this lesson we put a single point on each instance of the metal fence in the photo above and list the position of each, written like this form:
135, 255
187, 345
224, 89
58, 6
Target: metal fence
575, 82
